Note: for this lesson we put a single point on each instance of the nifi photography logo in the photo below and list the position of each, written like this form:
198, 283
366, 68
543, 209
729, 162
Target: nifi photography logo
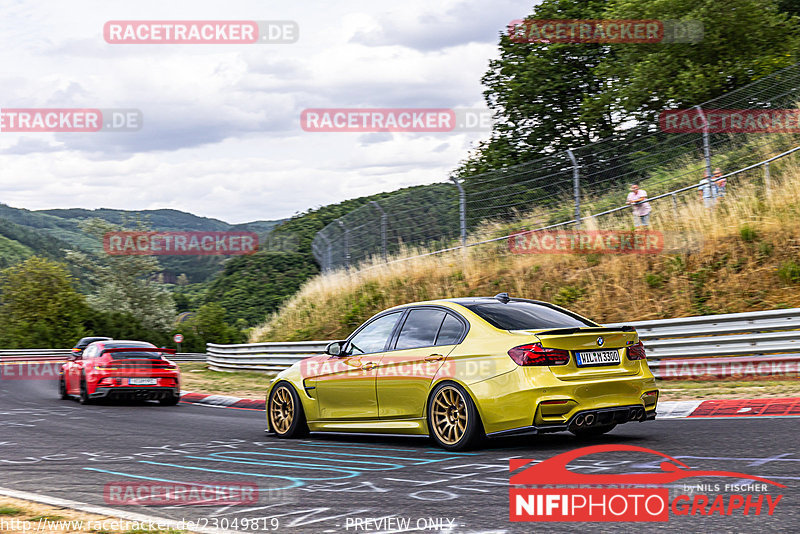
564, 495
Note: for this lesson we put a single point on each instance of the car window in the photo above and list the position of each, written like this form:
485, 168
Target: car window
420, 328
451, 331
517, 315
90, 352
373, 337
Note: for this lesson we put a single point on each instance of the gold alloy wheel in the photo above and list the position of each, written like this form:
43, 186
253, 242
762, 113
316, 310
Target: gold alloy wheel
449, 415
281, 410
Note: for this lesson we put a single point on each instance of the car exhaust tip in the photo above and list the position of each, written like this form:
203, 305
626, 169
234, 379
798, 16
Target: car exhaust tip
579, 420
589, 420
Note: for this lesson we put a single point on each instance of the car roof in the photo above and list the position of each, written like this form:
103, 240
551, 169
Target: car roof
466, 301
122, 343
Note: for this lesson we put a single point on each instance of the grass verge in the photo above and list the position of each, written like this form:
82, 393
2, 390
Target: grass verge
197, 379
17, 516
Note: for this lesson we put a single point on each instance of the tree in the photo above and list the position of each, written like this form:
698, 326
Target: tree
125, 284
39, 306
743, 40
536, 91
547, 97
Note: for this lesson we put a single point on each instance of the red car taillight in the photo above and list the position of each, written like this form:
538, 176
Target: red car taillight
537, 355
636, 352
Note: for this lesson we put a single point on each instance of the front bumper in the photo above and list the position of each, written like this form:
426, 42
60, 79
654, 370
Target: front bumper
135, 393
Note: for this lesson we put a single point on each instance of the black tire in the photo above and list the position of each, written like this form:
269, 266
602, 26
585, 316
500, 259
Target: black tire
84, 397
172, 400
471, 435
285, 415
593, 432
62, 388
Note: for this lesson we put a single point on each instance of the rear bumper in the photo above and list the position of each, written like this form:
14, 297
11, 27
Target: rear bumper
532, 398
603, 416
135, 393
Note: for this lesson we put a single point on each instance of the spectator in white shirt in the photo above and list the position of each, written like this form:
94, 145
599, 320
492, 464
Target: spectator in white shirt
641, 208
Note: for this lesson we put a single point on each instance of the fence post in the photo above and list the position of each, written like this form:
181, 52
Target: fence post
576, 187
462, 210
326, 264
383, 227
707, 152
767, 181
346, 244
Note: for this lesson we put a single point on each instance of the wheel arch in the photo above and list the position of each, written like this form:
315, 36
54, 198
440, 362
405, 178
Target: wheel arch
472, 397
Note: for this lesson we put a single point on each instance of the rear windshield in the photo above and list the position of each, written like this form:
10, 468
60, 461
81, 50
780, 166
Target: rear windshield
132, 355
525, 316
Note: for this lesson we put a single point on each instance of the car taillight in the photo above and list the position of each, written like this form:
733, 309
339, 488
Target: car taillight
537, 355
636, 352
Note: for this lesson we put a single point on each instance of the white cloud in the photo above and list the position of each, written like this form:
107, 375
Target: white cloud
221, 135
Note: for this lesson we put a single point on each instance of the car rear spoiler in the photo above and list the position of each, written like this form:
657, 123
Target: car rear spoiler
586, 329
140, 349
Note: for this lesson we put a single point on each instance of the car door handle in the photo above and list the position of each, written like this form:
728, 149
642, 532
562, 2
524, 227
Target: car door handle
434, 358
369, 366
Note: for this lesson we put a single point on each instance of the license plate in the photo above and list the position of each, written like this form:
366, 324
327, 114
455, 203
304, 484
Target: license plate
597, 357
142, 381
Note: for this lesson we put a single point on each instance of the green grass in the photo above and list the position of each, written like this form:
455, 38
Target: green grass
9, 510
250, 385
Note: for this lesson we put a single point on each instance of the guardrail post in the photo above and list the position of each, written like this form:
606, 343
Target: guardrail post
346, 244
462, 210
383, 227
707, 152
576, 187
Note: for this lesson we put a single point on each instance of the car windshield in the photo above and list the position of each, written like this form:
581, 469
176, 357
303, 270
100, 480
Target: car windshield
132, 355
517, 315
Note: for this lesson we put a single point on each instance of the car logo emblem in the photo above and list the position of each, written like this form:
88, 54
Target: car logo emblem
600, 341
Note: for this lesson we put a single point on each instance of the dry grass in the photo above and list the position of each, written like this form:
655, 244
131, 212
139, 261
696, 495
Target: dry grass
197, 379
747, 260
36, 517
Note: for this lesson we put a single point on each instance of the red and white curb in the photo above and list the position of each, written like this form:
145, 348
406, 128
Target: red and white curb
222, 401
694, 409
721, 408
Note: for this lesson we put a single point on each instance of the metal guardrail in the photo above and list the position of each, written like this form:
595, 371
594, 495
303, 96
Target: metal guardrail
37, 355
753, 335
272, 356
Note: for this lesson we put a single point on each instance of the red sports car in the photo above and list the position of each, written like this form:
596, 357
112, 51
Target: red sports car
124, 370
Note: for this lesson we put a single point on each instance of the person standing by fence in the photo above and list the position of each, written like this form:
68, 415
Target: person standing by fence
707, 191
641, 208
720, 182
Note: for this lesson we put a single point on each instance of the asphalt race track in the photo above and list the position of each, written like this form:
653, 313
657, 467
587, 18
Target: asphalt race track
336, 483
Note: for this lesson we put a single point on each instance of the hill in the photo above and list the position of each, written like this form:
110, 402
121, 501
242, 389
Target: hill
48, 232
747, 260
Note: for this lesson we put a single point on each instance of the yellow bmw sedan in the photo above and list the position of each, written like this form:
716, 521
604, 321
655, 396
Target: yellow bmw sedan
463, 369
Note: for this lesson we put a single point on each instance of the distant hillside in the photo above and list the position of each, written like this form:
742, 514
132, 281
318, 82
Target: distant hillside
251, 287
49, 232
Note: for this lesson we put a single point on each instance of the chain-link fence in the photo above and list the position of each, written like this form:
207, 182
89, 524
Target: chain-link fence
563, 188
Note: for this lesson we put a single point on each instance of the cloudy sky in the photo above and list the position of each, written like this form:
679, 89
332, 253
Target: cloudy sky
222, 135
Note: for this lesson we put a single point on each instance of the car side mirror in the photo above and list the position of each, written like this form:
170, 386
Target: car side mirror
334, 349
74, 357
